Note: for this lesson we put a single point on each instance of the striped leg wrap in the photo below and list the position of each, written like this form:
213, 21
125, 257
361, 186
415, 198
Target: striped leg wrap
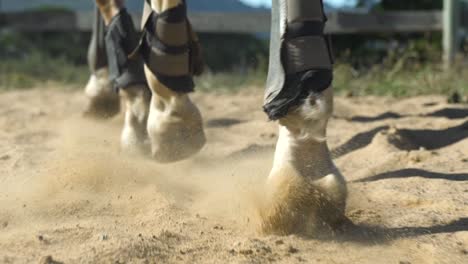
301, 59
170, 47
125, 68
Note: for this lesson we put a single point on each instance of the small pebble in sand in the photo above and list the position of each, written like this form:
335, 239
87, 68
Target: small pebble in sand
5, 157
404, 262
300, 259
246, 252
49, 260
292, 250
279, 242
454, 98
5, 224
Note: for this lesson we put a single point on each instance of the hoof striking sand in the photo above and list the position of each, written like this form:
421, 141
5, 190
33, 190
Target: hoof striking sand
134, 137
304, 188
103, 102
175, 125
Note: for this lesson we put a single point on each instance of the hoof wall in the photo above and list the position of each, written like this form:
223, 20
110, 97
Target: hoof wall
181, 148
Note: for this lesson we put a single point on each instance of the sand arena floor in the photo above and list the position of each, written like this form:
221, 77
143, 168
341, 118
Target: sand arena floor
67, 192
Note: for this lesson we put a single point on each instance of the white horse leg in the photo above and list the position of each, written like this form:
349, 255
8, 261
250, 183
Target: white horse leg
126, 73
175, 125
134, 138
103, 102
304, 188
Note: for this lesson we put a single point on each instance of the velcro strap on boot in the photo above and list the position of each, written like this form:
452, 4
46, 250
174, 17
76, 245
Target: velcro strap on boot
308, 10
301, 59
306, 53
165, 48
306, 47
121, 41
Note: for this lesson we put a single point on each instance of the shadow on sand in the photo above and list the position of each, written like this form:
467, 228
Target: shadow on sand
375, 234
408, 173
449, 113
359, 141
384, 116
406, 139
431, 139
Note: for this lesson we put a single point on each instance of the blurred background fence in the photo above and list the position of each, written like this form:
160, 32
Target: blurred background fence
339, 22
376, 32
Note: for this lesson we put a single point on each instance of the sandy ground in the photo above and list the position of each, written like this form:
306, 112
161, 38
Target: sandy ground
66, 191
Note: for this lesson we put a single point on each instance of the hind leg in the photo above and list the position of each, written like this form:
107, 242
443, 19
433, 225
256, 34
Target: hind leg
126, 73
134, 138
103, 102
175, 126
110, 8
305, 190
304, 187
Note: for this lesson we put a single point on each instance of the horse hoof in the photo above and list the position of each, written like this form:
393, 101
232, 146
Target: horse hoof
103, 102
305, 189
134, 137
175, 135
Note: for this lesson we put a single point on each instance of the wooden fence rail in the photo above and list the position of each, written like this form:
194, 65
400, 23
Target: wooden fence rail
449, 21
338, 23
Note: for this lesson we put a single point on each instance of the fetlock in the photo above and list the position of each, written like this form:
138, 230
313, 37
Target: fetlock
305, 187
172, 57
103, 102
175, 126
134, 138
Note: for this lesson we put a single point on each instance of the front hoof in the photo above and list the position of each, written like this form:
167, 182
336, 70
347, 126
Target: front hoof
290, 206
102, 107
295, 205
178, 144
133, 144
103, 102
134, 138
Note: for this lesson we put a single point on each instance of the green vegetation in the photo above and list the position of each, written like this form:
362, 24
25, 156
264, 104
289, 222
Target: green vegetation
397, 79
400, 81
36, 69
412, 68
50, 8
28, 61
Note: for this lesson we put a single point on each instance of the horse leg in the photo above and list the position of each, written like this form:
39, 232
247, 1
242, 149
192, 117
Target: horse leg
126, 73
103, 102
304, 188
175, 125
